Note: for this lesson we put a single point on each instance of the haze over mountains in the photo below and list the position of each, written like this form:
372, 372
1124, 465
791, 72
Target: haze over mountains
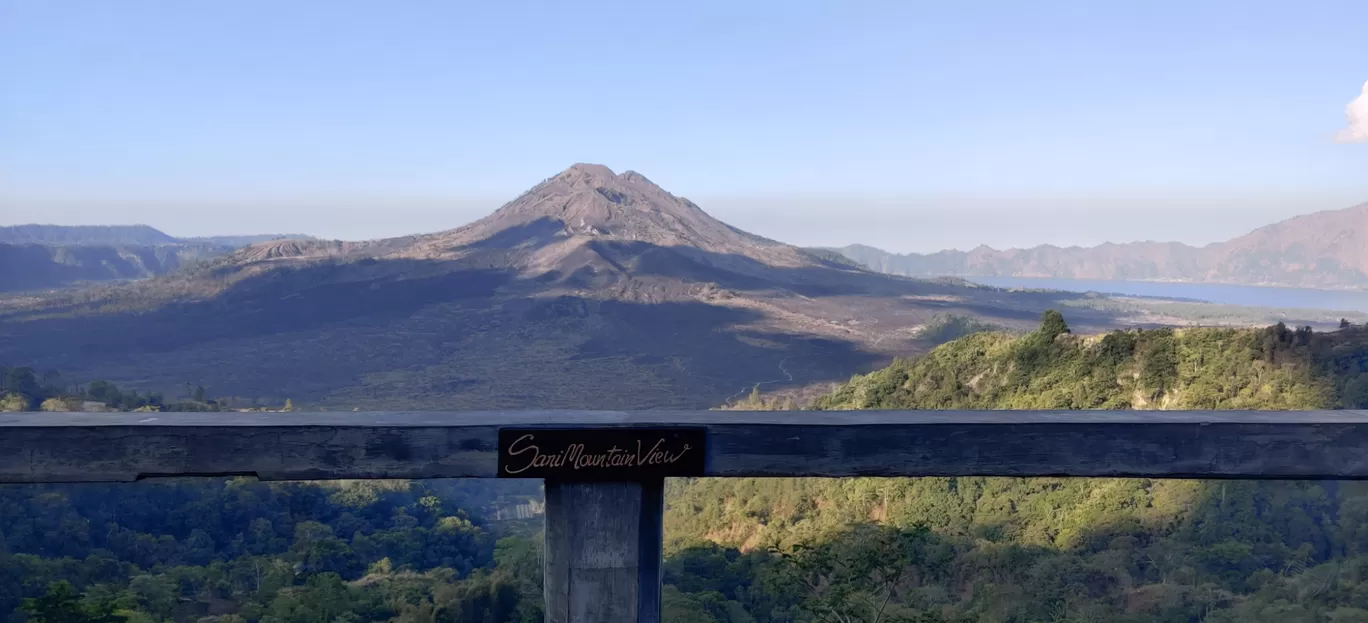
1326, 249
592, 289
51, 256
97, 235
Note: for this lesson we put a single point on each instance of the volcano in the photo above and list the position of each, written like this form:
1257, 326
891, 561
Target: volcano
585, 227
588, 203
590, 290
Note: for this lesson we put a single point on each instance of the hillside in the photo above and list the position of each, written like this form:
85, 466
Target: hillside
1326, 249
1195, 368
591, 289
45, 266
1050, 549
84, 235
120, 235
39, 257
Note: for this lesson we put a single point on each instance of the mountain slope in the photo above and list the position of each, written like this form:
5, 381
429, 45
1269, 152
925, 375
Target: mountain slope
592, 289
84, 235
1191, 368
38, 257
1324, 249
107, 235
1327, 249
40, 266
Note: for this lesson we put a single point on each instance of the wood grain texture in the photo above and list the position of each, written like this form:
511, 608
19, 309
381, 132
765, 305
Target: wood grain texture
651, 538
601, 566
120, 447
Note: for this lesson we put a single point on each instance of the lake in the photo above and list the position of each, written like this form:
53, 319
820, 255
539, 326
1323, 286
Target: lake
1225, 294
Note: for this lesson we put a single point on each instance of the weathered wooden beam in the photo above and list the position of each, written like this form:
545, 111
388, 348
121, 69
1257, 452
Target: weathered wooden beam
603, 551
116, 447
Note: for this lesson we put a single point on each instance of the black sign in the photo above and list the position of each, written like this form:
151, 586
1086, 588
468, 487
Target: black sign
600, 454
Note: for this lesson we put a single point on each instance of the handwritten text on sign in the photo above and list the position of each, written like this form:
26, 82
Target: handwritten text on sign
600, 454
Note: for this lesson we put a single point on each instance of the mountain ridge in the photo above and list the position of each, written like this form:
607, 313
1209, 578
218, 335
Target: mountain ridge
592, 289
40, 257
33, 267
36, 233
1327, 249
114, 235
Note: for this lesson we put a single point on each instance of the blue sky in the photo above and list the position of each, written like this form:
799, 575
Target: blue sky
909, 125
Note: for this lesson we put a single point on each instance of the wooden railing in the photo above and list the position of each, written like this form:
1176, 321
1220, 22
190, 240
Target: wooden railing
604, 470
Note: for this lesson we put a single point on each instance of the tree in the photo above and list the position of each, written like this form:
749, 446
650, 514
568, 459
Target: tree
678, 607
53, 383
853, 578
521, 557
754, 399
13, 402
1345, 324
1052, 324
21, 381
105, 392
62, 604
482, 598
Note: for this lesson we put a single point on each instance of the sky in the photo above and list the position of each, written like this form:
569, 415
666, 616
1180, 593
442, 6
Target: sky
912, 126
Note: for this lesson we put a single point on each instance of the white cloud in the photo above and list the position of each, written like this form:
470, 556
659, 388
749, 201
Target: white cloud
1357, 112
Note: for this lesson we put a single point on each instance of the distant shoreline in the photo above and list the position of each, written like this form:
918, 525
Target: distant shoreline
1238, 294
1270, 285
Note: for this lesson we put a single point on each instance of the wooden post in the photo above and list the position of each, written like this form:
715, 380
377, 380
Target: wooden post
603, 543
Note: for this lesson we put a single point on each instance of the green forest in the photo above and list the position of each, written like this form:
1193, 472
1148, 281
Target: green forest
771, 550
240, 550
1049, 549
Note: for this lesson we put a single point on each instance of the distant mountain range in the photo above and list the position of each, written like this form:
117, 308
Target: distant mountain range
85, 235
1322, 250
37, 257
593, 289
142, 235
42, 267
